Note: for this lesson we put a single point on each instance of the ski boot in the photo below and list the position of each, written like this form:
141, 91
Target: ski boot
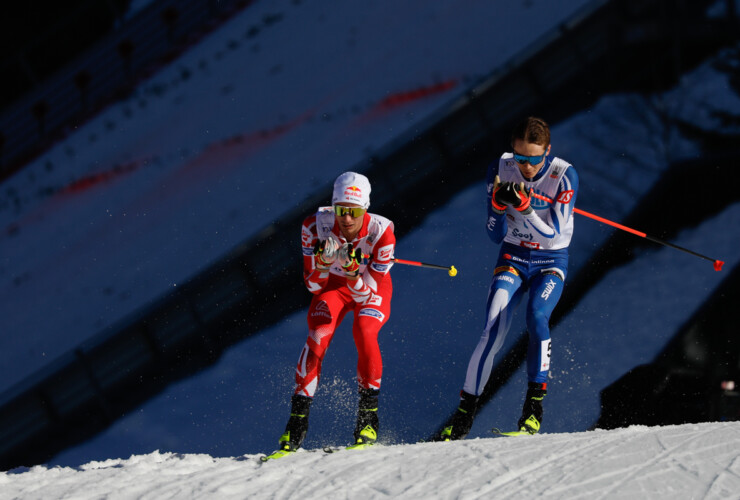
297, 425
366, 429
461, 422
531, 418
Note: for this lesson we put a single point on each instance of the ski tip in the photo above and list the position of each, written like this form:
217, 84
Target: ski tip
275, 455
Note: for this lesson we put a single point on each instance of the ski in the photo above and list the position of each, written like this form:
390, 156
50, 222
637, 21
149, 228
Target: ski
334, 449
499, 432
275, 455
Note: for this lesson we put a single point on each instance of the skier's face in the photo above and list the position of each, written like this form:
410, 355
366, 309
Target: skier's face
348, 224
530, 149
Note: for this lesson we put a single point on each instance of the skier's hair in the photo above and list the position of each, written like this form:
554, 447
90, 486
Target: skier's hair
532, 130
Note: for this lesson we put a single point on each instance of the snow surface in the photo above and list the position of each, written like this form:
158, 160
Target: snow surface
215, 147
699, 461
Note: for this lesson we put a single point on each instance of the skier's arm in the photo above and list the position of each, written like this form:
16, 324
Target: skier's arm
315, 276
364, 286
496, 226
565, 199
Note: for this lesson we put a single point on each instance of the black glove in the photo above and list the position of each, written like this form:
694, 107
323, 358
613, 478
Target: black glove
498, 204
516, 196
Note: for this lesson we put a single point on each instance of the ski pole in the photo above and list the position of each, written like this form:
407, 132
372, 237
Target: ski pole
450, 269
717, 263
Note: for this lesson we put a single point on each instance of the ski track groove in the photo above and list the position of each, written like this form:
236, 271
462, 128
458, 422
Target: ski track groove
494, 487
715, 482
630, 473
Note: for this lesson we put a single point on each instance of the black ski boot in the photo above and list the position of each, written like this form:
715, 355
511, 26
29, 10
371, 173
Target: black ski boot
297, 425
461, 422
531, 419
366, 429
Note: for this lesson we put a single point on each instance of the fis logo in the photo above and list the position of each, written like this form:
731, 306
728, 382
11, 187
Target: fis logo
565, 197
548, 289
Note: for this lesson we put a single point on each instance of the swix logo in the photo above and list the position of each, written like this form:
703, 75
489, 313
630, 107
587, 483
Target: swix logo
322, 310
548, 289
565, 197
529, 244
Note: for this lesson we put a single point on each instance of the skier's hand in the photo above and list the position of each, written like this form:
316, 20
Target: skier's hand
498, 204
515, 195
525, 199
326, 252
350, 258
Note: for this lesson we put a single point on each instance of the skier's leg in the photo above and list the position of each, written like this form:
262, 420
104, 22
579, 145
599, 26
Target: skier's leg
503, 297
324, 314
546, 289
367, 324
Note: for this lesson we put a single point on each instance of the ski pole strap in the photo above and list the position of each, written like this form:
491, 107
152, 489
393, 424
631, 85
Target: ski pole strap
717, 263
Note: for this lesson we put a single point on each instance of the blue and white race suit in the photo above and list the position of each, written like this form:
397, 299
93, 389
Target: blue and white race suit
534, 257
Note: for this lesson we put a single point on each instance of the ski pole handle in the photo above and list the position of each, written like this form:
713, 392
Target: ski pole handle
717, 263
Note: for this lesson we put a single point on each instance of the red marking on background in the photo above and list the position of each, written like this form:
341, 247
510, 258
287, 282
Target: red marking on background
232, 151
406, 97
93, 180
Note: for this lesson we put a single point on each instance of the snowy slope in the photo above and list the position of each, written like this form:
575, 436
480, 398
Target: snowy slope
674, 462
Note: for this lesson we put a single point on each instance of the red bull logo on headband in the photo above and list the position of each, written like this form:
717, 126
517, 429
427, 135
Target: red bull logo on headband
353, 192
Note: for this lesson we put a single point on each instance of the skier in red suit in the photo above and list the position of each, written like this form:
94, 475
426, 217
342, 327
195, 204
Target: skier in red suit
347, 256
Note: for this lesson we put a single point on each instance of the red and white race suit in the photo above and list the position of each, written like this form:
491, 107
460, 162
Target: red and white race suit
369, 298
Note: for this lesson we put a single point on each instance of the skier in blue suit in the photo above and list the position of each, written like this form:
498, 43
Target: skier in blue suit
534, 235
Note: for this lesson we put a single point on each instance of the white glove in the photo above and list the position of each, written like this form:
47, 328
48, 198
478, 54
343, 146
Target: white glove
326, 251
